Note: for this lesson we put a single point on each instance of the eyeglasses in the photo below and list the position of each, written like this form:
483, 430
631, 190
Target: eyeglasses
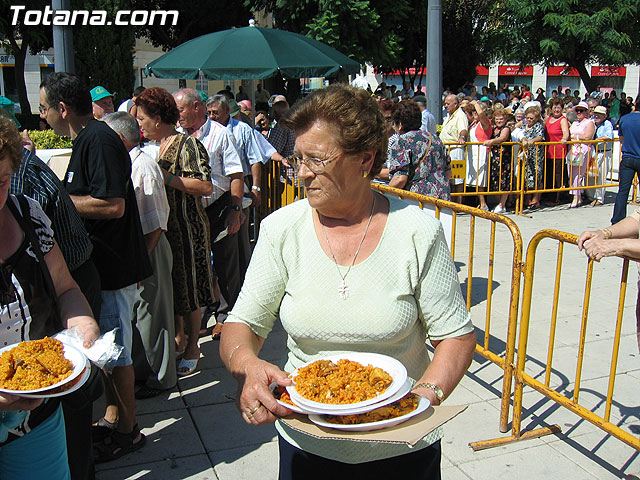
316, 165
580, 111
44, 109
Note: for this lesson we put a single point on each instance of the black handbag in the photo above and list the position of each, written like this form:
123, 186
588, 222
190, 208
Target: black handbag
93, 387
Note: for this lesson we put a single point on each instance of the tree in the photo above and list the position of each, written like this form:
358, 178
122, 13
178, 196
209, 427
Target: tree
365, 30
104, 54
463, 22
567, 32
19, 39
195, 18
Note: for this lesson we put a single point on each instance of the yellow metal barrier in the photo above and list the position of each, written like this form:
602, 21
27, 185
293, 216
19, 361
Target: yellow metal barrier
523, 378
505, 362
483, 170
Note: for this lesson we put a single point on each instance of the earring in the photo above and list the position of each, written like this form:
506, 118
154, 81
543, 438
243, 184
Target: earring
157, 125
364, 174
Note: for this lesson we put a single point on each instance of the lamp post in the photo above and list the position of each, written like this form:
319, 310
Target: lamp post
62, 41
434, 59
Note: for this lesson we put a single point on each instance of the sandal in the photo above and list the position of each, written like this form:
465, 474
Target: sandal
187, 366
217, 330
102, 429
533, 206
145, 392
118, 444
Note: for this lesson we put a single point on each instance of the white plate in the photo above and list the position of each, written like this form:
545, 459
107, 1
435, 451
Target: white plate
293, 408
319, 420
390, 365
406, 388
80, 381
75, 356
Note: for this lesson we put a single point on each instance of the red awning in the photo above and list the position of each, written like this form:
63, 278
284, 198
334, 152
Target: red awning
608, 71
562, 72
516, 70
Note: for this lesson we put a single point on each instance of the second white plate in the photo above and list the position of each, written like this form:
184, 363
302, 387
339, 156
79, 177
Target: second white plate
321, 421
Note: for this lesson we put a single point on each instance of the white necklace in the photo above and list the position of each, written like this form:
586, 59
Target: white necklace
343, 290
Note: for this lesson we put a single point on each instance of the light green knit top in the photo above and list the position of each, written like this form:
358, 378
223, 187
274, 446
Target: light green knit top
405, 292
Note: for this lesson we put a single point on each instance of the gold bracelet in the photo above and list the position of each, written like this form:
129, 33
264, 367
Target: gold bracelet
234, 351
606, 233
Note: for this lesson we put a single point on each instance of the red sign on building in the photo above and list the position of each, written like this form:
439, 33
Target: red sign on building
516, 70
562, 72
482, 70
608, 71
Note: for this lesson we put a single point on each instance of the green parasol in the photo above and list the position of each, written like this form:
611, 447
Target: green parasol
251, 53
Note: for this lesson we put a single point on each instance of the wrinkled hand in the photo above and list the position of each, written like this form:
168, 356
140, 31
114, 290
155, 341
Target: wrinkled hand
255, 198
14, 402
597, 248
254, 400
234, 221
584, 236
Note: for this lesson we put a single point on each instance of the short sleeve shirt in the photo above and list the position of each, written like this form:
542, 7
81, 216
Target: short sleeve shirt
100, 167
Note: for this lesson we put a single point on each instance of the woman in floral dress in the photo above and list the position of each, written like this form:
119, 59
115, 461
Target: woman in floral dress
418, 161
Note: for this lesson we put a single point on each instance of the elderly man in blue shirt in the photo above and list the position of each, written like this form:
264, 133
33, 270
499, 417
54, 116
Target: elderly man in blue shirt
602, 155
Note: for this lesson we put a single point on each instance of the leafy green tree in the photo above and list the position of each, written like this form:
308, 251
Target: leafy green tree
195, 18
567, 32
365, 30
463, 23
104, 54
19, 39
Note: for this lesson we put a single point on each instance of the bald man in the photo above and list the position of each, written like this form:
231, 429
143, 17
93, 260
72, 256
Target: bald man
454, 130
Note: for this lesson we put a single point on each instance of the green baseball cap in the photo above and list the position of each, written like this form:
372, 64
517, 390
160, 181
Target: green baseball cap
99, 92
202, 95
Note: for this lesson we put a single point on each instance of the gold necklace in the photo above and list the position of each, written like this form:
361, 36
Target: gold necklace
343, 289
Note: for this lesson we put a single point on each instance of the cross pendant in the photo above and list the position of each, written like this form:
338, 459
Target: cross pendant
343, 291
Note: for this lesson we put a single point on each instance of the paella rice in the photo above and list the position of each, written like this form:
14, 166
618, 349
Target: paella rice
344, 382
405, 405
34, 364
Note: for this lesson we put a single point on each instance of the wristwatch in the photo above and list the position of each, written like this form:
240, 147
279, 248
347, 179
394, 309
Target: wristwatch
256, 188
237, 208
437, 390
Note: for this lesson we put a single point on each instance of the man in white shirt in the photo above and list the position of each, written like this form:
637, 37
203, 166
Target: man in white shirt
224, 207
454, 130
153, 305
218, 108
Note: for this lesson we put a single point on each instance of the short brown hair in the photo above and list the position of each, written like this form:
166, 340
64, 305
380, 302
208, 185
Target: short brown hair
157, 101
10, 142
353, 115
408, 113
555, 101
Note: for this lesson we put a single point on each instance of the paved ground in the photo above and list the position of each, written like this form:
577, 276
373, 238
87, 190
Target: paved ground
194, 432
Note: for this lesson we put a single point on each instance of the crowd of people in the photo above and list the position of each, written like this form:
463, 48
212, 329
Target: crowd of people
153, 191
514, 139
150, 225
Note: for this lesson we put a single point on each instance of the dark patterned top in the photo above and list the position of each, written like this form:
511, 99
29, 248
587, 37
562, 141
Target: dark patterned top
26, 312
188, 227
36, 180
405, 155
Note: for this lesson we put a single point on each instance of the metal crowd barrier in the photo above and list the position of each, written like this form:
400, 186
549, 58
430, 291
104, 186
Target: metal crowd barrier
523, 378
504, 359
474, 164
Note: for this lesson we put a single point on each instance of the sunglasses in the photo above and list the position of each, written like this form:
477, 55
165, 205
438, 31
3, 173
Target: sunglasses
580, 110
